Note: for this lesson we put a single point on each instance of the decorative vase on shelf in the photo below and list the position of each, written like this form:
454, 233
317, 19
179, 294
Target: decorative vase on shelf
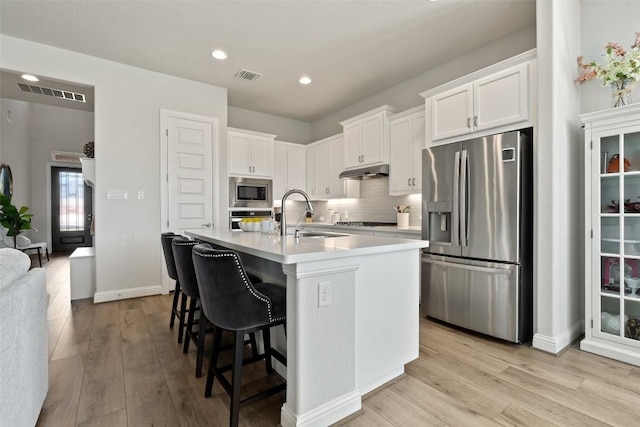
621, 92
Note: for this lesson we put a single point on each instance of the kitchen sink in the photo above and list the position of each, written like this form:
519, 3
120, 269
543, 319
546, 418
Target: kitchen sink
319, 234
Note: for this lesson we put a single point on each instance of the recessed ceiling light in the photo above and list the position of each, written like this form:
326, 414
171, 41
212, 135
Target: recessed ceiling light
304, 80
219, 54
30, 78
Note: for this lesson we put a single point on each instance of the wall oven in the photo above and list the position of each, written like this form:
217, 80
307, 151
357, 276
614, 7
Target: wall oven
250, 193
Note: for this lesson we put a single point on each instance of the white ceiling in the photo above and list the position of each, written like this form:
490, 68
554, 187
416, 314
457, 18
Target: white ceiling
352, 49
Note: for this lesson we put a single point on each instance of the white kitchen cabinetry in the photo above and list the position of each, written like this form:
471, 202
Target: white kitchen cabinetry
407, 141
496, 99
325, 161
612, 219
366, 138
289, 168
250, 153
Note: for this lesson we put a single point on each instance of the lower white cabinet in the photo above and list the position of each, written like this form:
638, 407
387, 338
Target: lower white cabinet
612, 235
407, 142
325, 161
289, 168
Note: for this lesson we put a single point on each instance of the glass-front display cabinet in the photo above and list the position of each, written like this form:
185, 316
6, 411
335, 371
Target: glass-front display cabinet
612, 219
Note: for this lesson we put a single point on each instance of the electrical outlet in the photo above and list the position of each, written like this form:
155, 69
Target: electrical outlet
140, 195
324, 294
346, 214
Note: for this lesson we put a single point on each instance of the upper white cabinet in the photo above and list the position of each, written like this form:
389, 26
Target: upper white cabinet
325, 161
496, 99
250, 153
289, 168
407, 141
366, 138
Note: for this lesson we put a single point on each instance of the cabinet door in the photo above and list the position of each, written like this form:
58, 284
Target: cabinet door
400, 170
501, 98
239, 154
352, 145
323, 180
374, 149
336, 185
280, 170
262, 157
418, 137
296, 167
311, 172
451, 112
615, 257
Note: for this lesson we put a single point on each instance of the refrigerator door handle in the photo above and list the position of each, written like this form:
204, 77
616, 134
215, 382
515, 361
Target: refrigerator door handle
464, 194
428, 260
455, 221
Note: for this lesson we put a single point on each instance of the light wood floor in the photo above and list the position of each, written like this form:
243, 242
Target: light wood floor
118, 364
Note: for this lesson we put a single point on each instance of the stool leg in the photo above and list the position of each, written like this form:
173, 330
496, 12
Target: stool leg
46, 251
183, 311
213, 361
254, 344
174, 306
189, 327
266, 336
39, 256
236, 373
202, 330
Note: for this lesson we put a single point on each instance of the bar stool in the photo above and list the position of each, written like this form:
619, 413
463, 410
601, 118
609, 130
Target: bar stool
169, 260
231, 302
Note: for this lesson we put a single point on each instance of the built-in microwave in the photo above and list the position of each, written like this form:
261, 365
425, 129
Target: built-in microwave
250, 193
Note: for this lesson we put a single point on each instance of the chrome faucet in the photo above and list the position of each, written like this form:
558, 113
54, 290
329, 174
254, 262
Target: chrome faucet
283, 222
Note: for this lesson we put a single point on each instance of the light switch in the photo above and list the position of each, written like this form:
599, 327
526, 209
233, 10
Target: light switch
117, 194
140, 195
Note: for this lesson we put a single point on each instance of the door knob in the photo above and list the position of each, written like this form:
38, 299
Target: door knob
206, 225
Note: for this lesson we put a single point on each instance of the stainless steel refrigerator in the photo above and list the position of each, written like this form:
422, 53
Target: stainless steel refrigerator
477, 216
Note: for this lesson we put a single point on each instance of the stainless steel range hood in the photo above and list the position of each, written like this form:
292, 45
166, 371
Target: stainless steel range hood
376, 171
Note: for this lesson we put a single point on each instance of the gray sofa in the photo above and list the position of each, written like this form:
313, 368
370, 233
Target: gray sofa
24, 368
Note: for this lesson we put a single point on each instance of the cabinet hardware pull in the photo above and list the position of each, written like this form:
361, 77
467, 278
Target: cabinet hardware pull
413, 182
409, 182
475, 121
469, 122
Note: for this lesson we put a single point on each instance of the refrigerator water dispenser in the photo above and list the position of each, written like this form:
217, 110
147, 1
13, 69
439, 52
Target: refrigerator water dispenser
439, 221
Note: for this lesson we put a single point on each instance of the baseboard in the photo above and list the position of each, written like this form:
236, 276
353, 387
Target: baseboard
556, 344
118, 294
323, 415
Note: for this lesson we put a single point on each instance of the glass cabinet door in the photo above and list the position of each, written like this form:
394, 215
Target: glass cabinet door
618, 190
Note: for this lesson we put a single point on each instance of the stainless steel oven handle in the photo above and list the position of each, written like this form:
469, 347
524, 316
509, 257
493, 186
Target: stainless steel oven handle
428, 260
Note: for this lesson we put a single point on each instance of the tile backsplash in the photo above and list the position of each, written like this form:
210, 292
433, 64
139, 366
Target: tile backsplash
374, 204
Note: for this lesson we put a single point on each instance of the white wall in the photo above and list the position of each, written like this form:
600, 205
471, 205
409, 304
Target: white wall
602, 22
288, 130
127, 150
406, 94
14, 147
52, 129
558, 154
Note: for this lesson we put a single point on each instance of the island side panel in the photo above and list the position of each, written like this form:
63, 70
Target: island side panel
321, 380
387, 316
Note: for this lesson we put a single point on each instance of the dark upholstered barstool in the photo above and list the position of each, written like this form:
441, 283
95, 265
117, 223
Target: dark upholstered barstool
231, 302
182, 247
166, 239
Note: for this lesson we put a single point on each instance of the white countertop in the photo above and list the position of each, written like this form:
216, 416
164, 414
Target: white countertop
290, 250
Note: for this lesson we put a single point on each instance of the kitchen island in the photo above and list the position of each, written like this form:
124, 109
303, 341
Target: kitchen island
352, 339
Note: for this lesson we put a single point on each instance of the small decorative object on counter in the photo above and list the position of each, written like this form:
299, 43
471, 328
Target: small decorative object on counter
614, 164
621, 70
402, 209
402, 216
88, 149
309, 217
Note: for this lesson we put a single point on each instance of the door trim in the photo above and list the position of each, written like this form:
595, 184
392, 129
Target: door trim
48, 167
164, 187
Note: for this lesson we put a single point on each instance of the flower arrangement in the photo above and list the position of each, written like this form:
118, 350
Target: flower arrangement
621, 70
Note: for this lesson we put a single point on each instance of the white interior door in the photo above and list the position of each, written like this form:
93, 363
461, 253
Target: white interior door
190, 175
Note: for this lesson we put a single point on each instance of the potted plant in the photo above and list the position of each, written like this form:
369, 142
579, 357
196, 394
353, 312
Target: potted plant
13, 219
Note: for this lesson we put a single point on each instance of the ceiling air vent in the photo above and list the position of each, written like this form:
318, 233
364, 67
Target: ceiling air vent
248, 75
56, 93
